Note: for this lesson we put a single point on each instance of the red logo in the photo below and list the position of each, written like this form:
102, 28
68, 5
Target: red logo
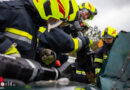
90, 6
114, 32
8, 83
61, 8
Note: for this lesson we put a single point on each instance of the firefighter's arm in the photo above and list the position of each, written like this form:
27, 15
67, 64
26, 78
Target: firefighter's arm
59, 41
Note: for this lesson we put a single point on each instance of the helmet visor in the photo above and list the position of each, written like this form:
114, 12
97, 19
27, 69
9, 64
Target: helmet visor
107, 36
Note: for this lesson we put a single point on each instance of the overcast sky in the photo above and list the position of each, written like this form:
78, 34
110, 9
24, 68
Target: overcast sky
115, 13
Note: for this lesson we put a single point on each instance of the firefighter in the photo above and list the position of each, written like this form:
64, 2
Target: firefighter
60, 42
87, 9
84, 61
109, 35
20, 21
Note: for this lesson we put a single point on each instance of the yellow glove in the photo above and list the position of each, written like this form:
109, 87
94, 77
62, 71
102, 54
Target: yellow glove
47, 56
12, 51
48, 59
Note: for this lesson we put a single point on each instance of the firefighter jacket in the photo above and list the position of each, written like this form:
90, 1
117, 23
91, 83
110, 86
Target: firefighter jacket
18, 25
101, 56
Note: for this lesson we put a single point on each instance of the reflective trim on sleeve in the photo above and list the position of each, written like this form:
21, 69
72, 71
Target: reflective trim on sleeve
42, 29
76, 44
97, 70
14, 36
19, 32
19, 35
35, 70
80, 43
98, 60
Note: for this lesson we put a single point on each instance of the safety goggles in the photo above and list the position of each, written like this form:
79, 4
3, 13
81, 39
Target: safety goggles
107, 37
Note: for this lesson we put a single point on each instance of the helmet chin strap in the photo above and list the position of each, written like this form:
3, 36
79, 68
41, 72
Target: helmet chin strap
50, 26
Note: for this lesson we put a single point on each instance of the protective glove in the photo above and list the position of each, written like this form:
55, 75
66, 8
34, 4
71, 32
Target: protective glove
48, 56
12, 51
